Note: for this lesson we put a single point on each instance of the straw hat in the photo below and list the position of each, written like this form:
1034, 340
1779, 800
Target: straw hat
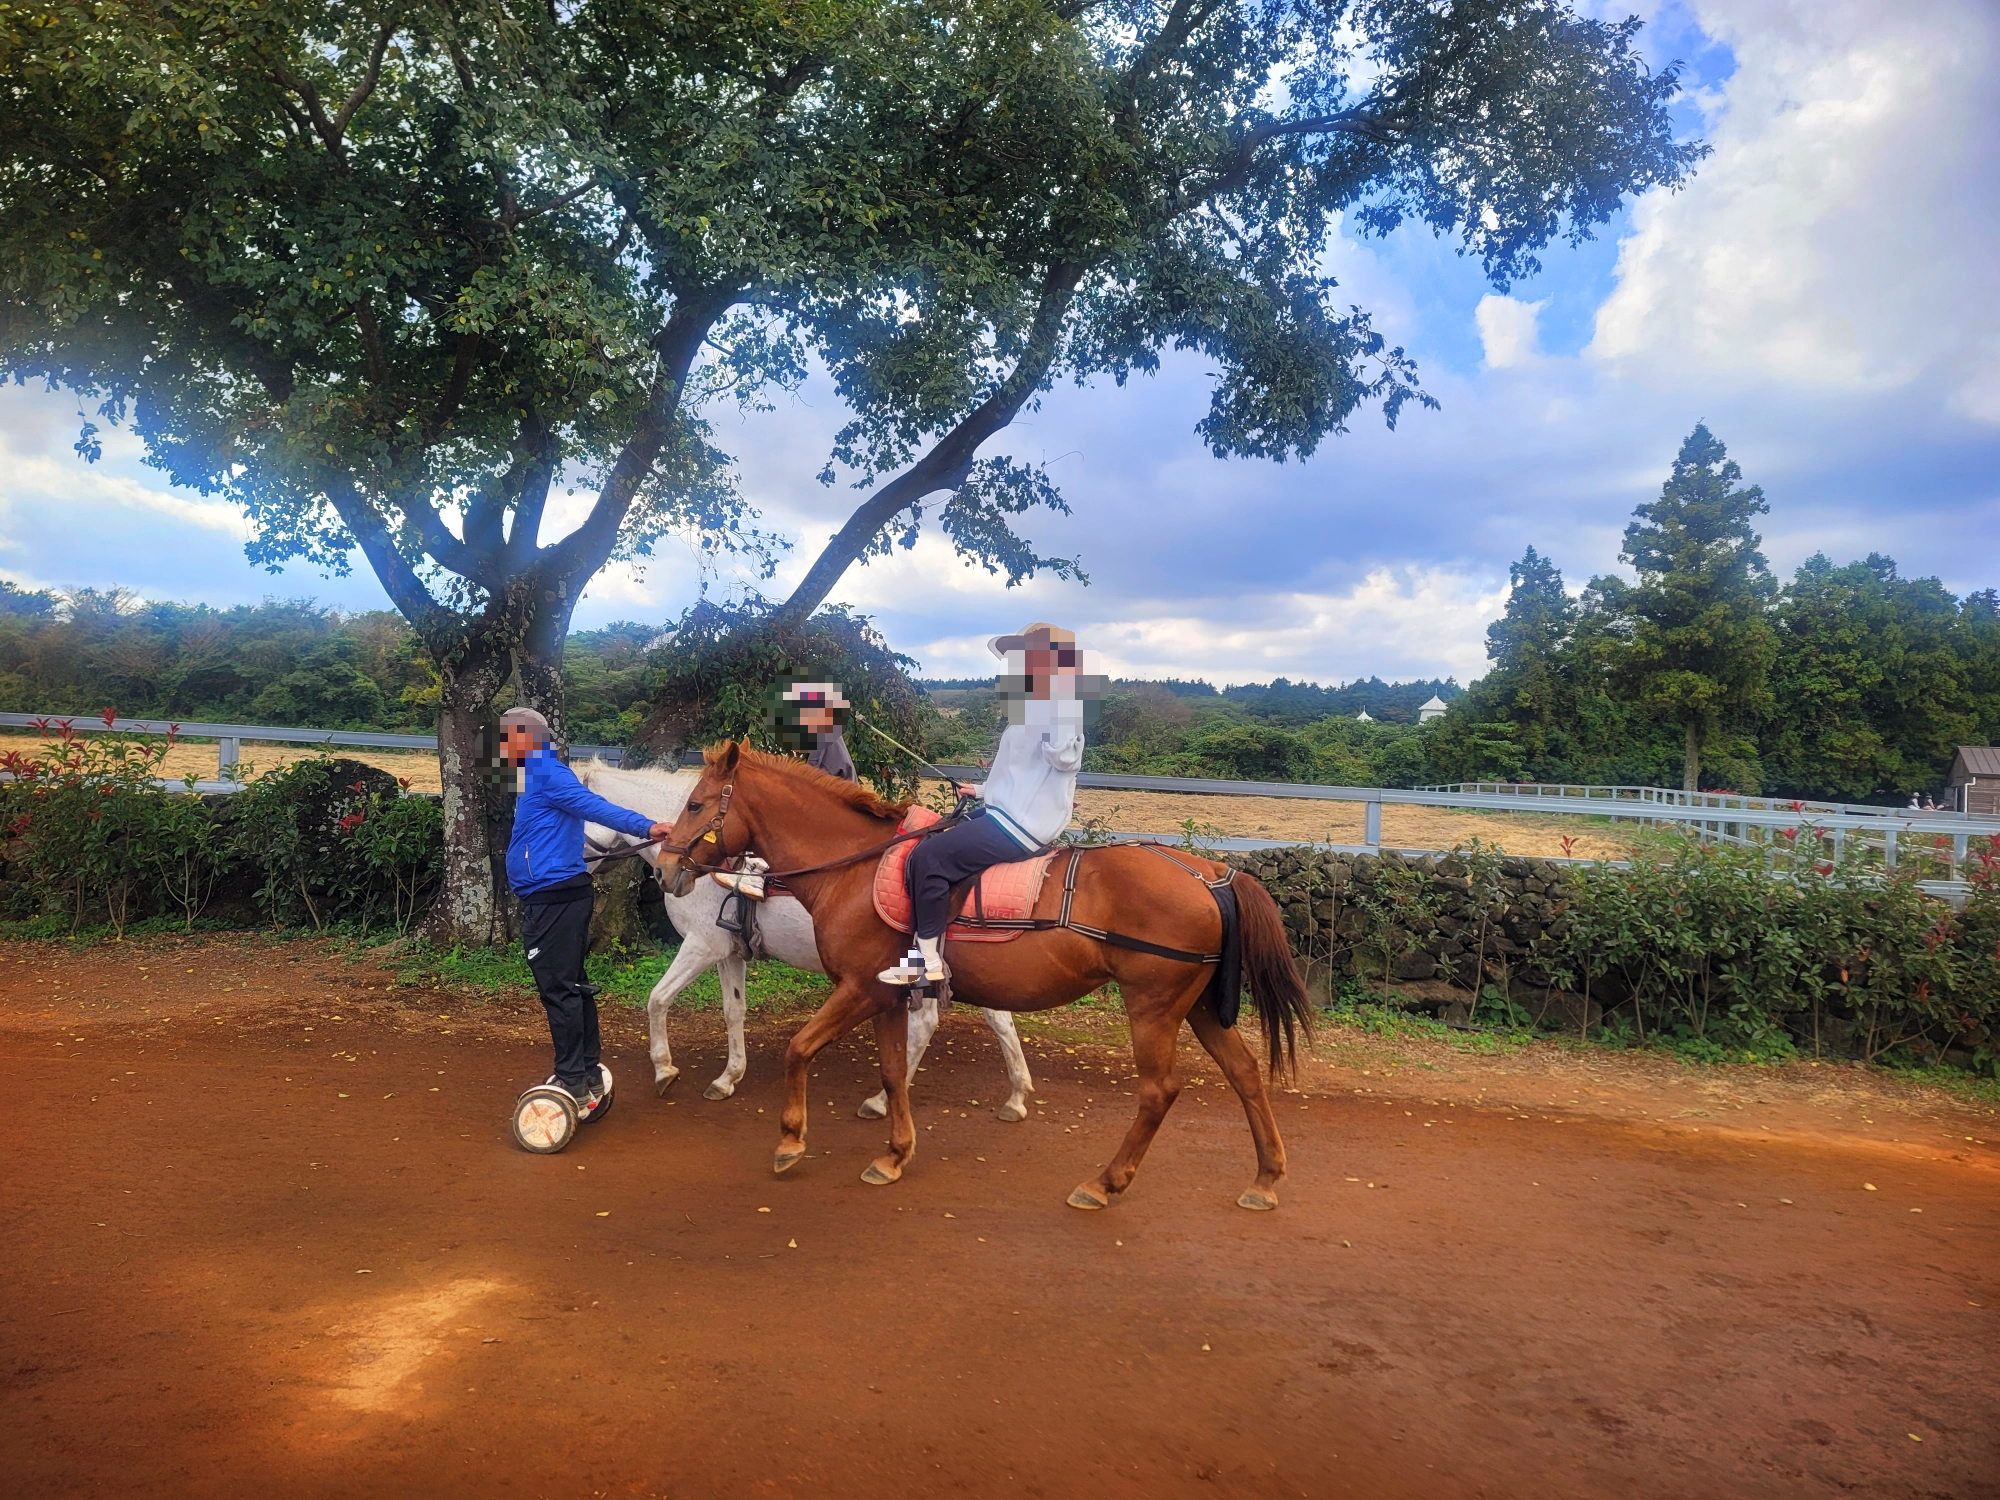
1040, 636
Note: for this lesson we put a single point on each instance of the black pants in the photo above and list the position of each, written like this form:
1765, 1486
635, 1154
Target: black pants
555, 933
944, 859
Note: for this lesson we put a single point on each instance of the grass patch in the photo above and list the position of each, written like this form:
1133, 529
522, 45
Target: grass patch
623, 977
1974, 1088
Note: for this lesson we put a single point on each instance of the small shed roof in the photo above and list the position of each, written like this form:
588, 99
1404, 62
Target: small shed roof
1435, 702
1975, 760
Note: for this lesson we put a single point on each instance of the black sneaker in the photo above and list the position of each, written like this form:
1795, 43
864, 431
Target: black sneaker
587, 1095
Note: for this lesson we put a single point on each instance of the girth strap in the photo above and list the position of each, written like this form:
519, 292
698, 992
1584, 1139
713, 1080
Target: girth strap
1063, 920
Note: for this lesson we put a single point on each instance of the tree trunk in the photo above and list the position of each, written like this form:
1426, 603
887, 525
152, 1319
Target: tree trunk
547, 605
1691, 766
471, 908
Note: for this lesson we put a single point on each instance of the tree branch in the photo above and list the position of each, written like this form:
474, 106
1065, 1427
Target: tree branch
371, 342
553, 204
947, 463
589, 547
391, 567
465, 356
367, 85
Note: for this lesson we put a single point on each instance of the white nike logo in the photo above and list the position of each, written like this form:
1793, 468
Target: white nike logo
533, 951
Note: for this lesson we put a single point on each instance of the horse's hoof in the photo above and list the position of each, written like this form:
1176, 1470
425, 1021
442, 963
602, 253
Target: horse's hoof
1089, 1195
877, 1174
1261, 1199
872, 1108
664, 1082
784, 1161
720, 1089
1010, 1111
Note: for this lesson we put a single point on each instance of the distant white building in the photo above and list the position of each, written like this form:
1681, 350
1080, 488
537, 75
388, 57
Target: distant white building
1431, 710
1364, 717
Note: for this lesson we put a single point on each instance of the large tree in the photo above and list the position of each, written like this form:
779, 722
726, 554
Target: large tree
398, 276
1237, 136
1702, 643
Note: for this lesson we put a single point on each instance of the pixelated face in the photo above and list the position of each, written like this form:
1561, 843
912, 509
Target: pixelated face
797, 713
509, 747
1047, 671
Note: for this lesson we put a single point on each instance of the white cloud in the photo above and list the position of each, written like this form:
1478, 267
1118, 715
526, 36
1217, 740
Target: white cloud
1507, 329
1841, 235
1395, 622
73, 484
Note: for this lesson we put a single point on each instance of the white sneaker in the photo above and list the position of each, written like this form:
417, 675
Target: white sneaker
749, 881
914, 970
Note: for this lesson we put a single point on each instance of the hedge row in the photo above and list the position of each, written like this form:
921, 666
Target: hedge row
91, 835
1704, 946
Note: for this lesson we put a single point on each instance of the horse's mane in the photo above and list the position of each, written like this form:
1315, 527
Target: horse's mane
852, 793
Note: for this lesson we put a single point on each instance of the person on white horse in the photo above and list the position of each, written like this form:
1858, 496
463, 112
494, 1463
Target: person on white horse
808, 716
1029, 793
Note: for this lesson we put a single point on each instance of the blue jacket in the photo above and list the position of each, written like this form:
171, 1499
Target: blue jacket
547, 847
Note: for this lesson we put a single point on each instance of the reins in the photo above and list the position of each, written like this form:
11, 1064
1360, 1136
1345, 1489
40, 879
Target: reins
1062, 921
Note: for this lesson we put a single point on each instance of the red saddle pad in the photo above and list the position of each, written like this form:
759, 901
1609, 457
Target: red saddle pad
1006, 892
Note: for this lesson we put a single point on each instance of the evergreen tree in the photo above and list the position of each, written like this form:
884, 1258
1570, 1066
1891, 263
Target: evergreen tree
1874, 685
1702, 644
1538, 619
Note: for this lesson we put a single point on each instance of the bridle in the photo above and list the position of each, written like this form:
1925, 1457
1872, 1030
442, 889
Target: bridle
596, 853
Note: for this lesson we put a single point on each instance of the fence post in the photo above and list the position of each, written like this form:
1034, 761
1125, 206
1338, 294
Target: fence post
1888, 848
1372, 834
225, 755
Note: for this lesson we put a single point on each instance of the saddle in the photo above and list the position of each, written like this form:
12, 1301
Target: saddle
996, 908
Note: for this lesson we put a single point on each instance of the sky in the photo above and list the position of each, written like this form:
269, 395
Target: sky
1824, 295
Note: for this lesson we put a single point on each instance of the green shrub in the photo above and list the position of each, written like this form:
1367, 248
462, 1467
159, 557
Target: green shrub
94, 834
92, 830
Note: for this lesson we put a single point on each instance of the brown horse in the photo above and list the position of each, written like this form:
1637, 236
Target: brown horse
801, 819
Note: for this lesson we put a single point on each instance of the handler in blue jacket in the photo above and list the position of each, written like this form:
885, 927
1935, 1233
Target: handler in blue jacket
545, 868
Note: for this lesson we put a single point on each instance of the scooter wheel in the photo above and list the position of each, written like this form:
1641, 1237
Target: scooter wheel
545, 1119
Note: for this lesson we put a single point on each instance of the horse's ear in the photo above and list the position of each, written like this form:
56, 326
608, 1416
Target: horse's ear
730, 756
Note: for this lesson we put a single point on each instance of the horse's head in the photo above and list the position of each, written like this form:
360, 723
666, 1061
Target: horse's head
708, 829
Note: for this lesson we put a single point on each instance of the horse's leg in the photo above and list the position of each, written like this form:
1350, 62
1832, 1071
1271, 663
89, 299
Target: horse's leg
1019, 1080
1226, 1045
892, 1036
923, 1026
734, 1007
687, 967
1155, 1029
849, 1004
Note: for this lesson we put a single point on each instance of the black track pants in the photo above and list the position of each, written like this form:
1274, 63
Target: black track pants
944, 859
555, 934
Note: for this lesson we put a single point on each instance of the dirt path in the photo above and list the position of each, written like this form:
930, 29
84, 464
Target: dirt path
265, 1234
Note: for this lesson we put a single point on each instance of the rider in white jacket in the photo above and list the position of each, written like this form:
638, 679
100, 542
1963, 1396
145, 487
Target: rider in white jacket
1030, 789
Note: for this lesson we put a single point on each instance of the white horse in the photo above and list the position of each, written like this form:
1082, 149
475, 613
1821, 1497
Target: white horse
787, 935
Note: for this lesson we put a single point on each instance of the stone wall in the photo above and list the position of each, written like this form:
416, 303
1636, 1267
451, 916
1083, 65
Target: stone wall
1437, 929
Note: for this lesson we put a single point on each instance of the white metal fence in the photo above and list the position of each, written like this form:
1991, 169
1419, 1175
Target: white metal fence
229, 738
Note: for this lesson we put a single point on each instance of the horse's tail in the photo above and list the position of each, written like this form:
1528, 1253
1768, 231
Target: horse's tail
1275, 985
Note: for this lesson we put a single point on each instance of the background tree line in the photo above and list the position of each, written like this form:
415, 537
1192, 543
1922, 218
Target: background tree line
1849, 682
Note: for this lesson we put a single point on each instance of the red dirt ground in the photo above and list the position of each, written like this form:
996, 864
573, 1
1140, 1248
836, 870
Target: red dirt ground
248, 1257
